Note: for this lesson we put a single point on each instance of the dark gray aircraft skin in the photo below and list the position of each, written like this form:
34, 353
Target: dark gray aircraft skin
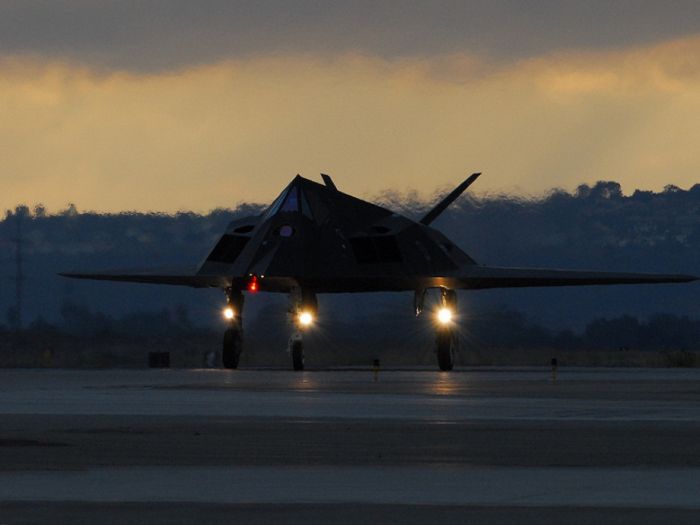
316, 239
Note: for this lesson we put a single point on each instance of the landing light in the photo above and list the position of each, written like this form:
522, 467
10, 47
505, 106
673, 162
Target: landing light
444, 315
305, 318
229, 313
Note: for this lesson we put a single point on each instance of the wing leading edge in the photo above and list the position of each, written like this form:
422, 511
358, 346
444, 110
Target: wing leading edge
175, 276
481, 277
467, 278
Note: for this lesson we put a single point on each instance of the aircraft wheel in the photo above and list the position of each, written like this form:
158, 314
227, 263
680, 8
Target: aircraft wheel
445, 351
298, 355
233, 345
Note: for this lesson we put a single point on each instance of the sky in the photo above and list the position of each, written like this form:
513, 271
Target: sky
179, 105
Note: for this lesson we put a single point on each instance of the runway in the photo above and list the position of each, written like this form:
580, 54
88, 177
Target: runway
491, 445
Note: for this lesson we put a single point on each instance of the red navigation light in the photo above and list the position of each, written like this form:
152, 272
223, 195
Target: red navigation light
253, 283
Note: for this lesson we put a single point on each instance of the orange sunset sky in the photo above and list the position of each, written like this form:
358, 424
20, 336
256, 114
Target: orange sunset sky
195, 105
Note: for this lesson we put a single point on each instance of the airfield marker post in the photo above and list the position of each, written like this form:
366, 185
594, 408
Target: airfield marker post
375, 369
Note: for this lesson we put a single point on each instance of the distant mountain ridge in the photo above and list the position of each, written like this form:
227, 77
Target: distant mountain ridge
595, 227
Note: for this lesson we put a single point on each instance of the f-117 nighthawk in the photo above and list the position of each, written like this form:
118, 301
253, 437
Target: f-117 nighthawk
314, 239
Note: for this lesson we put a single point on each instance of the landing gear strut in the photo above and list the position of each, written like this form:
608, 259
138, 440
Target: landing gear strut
303, 311
296, 349
446, 336
444, 347
233, 336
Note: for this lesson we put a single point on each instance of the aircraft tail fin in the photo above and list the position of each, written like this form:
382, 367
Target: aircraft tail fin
449, 199
329, 182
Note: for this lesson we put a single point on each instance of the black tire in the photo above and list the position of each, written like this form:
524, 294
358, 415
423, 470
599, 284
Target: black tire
298, 355
233, 345
444, 347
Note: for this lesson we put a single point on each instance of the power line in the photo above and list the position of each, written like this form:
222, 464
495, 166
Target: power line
15, 316
19, 273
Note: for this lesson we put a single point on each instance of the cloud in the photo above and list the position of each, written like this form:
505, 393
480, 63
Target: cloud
213, 135
156, 35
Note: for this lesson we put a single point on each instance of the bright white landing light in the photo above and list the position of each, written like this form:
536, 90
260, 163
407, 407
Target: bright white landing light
305, 318
229, 313
444, 315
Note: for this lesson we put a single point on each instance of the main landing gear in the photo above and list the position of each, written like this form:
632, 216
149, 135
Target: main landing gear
446, 336
233, 336
304, 306
446, 329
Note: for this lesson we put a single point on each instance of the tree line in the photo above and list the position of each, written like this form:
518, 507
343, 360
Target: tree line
501, 328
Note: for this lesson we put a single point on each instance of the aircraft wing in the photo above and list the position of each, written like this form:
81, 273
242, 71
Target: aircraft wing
175, 276
472, 277
480, 277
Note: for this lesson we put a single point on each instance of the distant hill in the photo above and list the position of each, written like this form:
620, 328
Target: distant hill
595, 227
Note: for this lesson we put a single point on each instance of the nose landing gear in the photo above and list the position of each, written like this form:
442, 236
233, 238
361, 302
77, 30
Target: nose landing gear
296, 350
304, 306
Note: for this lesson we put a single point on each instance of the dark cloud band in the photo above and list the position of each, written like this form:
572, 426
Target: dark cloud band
156, 35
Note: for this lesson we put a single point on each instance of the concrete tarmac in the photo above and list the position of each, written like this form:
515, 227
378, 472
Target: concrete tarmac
416, 446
